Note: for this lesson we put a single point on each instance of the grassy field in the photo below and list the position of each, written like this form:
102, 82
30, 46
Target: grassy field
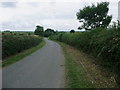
82, 70
21, 55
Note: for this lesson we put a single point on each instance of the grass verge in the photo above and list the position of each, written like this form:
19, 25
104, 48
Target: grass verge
21, 55
75, 73
84, 71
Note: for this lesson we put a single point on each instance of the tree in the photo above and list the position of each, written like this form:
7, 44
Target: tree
118, 24
72, 31
48, 32
94, 16
39, 30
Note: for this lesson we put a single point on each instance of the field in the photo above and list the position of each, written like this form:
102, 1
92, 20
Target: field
18, 32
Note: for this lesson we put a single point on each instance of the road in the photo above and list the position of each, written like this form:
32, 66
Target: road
42, 69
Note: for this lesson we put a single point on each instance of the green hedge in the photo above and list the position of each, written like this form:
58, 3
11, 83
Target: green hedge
12, 44
103, 44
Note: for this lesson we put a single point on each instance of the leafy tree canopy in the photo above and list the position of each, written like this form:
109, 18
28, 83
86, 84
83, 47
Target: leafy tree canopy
94, 16
48, 32
39, 30
72, 31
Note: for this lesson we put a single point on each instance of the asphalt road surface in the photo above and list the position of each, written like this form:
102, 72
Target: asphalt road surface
42, 69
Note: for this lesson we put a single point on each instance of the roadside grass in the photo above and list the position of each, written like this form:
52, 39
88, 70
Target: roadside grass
19, 56
85, 71
75, 73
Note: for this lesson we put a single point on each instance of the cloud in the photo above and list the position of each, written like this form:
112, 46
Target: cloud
113, 9
18, 26
8, 4
60, 15
27, 12
60, 24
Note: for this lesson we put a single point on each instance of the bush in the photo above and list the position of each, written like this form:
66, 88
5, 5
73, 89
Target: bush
12, 44
103, 44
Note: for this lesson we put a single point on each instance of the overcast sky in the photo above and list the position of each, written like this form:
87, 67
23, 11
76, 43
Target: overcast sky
55, 14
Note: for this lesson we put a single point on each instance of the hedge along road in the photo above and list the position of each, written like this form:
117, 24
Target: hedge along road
42, 69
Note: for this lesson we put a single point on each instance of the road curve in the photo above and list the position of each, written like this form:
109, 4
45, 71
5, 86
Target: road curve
42, 69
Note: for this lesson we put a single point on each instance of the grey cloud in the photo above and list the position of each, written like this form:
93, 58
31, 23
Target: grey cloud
37, 4
55, 15
113, 9
33, 4
58, 16
52, 3
17, 26
8, 4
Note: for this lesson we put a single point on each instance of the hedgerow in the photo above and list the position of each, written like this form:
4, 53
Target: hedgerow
102, 43
12, 44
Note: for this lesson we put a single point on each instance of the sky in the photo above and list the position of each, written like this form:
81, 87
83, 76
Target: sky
18, 15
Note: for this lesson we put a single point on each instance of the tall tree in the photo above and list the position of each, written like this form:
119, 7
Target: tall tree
94, 16
48, 32
72, 31
39, 30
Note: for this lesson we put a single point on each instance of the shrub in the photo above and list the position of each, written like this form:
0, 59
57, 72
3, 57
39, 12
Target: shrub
102, 43
12, 44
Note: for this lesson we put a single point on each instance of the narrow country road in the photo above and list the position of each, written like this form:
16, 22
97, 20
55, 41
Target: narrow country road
42, 69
